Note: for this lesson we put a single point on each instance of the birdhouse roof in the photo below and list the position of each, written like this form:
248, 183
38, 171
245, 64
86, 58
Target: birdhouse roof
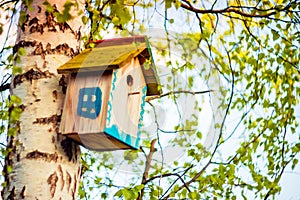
110, 54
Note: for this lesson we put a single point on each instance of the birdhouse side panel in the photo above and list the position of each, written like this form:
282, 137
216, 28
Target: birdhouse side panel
127, 95
86, 103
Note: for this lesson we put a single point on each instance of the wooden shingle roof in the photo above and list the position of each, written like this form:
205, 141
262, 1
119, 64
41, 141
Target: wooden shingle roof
109, 54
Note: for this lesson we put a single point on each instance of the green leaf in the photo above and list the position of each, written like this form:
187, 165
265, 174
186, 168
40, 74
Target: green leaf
84, 19
177, 4
9, 168
16, 70
1, 28
168, 4
275, 35
194, 195
21, 51
48, 6
294, 164
22, 18
190, 81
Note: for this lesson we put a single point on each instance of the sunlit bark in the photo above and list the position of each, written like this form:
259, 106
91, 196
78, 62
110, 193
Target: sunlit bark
44, 164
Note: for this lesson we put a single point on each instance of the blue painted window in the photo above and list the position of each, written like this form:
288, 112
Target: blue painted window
89, 102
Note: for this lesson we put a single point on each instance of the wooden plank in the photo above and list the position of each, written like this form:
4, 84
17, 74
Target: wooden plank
98, 141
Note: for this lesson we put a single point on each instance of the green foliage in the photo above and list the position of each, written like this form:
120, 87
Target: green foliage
65, 15
129, 193
257, 61
252, 49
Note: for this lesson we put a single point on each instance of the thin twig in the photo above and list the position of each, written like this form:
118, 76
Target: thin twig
150, 98
147, 166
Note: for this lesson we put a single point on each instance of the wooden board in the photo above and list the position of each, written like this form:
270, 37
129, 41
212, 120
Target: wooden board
98, 141
71, 121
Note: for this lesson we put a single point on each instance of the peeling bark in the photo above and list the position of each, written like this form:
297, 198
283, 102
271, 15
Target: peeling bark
31, 75
54, 119
61, 176
68, 181
12, 194
52, 180
22, 194
41, 155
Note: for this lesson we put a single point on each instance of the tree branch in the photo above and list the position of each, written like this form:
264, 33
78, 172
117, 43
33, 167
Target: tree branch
188, 6
4, 87
177, 92
7, 2
147, 167
219, 138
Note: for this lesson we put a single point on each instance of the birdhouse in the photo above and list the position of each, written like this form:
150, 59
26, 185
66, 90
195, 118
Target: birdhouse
106, 92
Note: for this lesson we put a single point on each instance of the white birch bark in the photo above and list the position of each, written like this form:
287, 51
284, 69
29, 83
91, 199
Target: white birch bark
45, 164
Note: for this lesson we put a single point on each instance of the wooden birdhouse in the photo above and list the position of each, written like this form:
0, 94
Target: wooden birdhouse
106, 92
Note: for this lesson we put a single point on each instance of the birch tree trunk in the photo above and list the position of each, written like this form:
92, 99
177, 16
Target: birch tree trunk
45, 164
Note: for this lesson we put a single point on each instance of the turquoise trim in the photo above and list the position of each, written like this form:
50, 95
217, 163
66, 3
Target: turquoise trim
121, 136
144, 92
113, 87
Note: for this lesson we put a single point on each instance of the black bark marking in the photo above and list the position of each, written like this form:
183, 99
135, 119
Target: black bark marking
22, 194
35, 26
48, 49
12, 194
22, 107
24, 24
54, 119
79, 171
48, 157
53, 139
52, 181
64, 49
68, 181
51, 24
23, 43
67, 145
31, 75
63, 83
54, 95
74, 189
39, 50
45, 64
61, 176
33, 21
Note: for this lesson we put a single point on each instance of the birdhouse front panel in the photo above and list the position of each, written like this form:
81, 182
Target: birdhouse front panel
86, 103
125, 106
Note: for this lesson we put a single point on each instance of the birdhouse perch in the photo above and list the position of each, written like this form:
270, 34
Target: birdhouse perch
106, 92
